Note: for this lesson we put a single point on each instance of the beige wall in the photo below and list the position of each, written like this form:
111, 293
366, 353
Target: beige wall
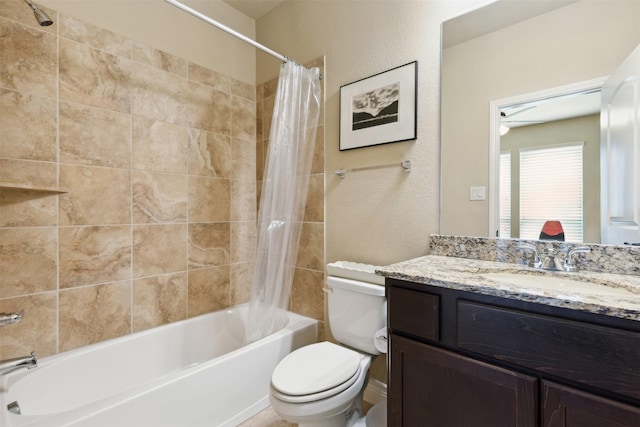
385, 215
579, 42
163, 26
156, 158
577, 129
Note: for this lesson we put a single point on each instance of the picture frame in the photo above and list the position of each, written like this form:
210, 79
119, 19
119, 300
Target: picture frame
380, 109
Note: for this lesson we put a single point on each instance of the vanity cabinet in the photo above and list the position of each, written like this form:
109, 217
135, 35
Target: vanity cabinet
462, 359
564, 406
448, 389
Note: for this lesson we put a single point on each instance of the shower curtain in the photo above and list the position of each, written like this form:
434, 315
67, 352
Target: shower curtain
284, 194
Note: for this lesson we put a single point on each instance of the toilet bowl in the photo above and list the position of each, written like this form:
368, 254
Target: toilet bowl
322, 384
308, 389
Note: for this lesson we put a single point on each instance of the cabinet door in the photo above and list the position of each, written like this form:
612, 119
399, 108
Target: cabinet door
567, 407
431, 386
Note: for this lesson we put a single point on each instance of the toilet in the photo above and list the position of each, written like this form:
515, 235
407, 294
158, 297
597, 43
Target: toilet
322, 384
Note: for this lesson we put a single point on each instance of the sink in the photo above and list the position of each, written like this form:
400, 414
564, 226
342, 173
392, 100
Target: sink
558, 283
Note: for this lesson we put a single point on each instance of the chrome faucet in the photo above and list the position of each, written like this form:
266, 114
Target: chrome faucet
9, 365
10, 318
536, 258
569, 262
551, 261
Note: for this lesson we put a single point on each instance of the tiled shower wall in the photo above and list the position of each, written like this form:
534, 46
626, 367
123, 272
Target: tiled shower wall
157, 160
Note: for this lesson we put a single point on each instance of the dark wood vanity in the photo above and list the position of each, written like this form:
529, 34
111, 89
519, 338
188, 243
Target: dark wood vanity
463, 359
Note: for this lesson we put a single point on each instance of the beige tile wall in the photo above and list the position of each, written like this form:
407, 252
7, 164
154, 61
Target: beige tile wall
158, 158
307, 297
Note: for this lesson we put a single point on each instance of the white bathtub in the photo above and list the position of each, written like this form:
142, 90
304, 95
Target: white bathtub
189, 373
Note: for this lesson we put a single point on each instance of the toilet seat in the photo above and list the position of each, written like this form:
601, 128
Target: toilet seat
315, 372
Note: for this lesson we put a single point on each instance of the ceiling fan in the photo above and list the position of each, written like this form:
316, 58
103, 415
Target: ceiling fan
506, 125
504, 116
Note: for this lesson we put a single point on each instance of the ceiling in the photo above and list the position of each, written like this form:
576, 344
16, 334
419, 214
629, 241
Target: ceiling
253, 8
494, 16
550, 109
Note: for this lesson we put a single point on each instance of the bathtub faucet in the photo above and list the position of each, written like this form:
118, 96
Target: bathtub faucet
10, 318
10, 365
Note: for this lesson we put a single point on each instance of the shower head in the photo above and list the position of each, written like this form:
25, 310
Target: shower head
42, 17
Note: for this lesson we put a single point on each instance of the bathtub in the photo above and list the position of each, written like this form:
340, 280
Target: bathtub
189, 373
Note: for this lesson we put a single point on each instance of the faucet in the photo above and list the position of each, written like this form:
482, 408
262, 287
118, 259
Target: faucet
569, 262
9, 365
551, 261
531, 248
10, 318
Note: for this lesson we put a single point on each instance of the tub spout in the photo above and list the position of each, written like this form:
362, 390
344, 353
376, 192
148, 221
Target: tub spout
10, 318
10, 365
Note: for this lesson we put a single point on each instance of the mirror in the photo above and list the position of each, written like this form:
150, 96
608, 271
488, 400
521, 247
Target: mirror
545, 161
503, 52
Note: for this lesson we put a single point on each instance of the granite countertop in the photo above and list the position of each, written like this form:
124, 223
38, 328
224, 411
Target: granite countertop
467, 275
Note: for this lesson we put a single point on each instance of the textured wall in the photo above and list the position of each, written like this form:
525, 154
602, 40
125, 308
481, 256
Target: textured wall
385, 215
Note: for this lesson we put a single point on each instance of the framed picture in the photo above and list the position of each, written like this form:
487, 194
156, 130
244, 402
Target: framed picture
379, 109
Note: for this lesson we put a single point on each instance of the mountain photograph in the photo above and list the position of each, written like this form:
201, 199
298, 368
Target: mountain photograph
376, 107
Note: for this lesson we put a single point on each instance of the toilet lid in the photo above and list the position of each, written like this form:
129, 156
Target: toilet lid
315, 368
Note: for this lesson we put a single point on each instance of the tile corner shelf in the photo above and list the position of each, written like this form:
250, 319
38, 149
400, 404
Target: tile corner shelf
25, 187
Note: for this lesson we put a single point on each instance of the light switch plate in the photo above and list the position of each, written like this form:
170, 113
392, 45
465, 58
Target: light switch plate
477, 193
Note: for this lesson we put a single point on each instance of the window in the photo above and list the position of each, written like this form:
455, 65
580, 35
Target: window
551, 189
505, 194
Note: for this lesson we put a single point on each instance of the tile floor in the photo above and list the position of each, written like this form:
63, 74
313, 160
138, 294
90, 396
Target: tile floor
267, 418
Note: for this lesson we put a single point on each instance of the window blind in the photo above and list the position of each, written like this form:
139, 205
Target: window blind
551, 189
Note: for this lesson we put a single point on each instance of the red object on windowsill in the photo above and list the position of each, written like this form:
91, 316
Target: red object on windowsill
552, 230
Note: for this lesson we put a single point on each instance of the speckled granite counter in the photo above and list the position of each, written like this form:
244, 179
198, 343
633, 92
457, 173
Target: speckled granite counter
468, 275
600, 258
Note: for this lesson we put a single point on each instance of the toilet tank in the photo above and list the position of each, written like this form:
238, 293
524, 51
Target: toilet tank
357, 310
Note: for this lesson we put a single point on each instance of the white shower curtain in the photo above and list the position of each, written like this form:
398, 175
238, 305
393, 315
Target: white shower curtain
284, 193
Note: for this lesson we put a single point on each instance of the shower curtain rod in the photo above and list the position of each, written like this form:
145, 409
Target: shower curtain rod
226, 29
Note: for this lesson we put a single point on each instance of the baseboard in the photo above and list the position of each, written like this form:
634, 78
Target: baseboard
375, 391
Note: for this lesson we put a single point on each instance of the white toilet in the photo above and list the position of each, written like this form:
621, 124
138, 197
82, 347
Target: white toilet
322, 384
